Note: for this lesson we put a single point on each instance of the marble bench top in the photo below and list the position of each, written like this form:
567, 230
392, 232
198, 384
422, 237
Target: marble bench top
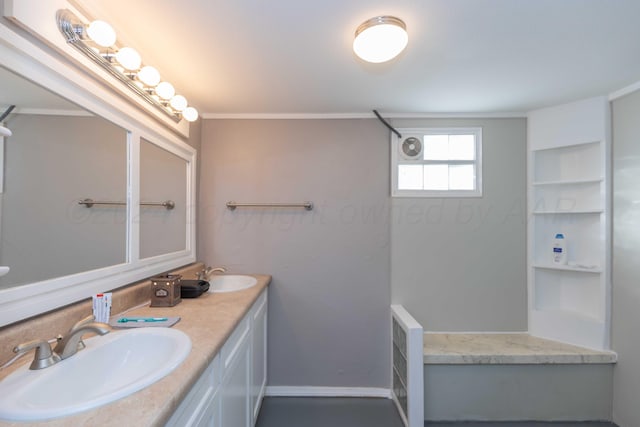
507, 348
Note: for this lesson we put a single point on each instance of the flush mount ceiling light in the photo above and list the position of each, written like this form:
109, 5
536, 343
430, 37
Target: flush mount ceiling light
380, 39
97, 40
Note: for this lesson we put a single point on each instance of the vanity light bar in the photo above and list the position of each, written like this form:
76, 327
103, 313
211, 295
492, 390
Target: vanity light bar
137, 79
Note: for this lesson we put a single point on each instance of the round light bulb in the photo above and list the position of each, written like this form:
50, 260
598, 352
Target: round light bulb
190, 114
178, 102
101, 33
380, 39
129, 58
165, 90
149, 76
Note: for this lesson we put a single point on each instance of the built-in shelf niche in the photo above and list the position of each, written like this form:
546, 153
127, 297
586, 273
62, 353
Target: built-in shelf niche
568, 193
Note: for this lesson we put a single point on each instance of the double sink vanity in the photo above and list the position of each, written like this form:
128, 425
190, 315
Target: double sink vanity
208, 369
120, 210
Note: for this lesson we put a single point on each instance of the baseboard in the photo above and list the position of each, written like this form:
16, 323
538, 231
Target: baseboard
309, 391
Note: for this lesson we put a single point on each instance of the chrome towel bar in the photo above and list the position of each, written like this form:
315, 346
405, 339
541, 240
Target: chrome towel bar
169, 204
307, 205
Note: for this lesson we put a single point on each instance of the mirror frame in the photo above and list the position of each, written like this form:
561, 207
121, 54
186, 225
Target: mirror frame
54, 72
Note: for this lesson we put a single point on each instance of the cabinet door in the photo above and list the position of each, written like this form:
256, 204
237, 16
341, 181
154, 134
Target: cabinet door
259, 355
211, 416
234, 393
196, 409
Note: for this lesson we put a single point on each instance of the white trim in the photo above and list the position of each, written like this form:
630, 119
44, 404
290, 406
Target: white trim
624, 91
477, 333
311, 391
329, 116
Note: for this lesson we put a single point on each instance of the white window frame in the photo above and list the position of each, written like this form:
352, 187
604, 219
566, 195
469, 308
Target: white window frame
397, 160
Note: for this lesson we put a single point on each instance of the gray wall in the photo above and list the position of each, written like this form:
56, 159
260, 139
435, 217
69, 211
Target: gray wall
626, 252
329, 299
459, 264
539, 392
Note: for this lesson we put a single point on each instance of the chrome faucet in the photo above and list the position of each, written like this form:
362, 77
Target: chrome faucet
67, 346
90, 318
70, 344
44, 356
205, 274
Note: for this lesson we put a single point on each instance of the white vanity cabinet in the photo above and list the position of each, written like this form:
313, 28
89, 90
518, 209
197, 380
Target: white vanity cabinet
229, 392
259, 355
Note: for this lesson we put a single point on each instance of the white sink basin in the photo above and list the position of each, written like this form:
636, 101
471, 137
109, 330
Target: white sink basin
230, 283
109, 368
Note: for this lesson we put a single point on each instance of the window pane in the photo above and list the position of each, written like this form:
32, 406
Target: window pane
462, 147
436, 177
410, 177
436, 147
462, 177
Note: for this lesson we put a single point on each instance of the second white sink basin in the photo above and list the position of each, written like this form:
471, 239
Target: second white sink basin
109, 368
231, 283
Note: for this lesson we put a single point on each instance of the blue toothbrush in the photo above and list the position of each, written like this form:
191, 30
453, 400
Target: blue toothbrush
142, 319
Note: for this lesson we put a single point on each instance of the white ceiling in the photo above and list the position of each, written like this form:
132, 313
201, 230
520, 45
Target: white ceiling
294, 56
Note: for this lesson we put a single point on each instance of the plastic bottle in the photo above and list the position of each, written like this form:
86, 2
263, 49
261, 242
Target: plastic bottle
559, 249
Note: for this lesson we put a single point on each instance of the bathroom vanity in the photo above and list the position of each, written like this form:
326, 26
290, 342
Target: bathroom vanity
220, 383
230, 390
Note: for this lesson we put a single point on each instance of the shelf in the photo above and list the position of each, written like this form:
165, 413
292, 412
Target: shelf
568, 192
568, 268
569, 182
582, 212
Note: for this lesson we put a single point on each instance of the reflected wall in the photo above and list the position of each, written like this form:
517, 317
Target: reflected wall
51, 162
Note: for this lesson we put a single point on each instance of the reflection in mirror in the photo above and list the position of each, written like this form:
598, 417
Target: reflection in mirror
163, 176
58, 154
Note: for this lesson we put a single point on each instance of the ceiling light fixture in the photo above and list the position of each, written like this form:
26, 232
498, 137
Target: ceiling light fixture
97, 41
380, 39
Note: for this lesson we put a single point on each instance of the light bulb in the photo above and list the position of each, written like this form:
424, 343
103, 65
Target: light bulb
380, 39
101, 33
190, 114
165, 90
129, 58
149, 76
178, 102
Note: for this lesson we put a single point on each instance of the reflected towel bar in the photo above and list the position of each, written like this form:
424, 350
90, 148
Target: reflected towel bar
169, 204
307, 205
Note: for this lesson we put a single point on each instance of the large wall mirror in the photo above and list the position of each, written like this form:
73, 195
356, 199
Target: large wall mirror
70, 143
57, 155
163, 176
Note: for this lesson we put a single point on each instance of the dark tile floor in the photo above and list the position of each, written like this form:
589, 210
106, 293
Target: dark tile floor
328, 412
363, 412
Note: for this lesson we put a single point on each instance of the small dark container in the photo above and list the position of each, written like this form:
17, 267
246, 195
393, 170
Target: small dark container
193, 288
165, 290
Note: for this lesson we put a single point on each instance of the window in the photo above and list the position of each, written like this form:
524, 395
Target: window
437, 162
